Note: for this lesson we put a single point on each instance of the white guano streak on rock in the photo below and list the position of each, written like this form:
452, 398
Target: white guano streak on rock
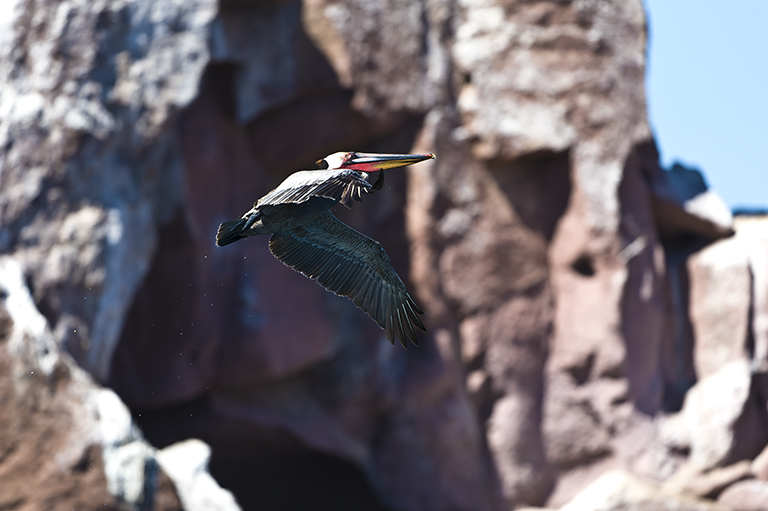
128, 459
8, 10
27, 320
186, 463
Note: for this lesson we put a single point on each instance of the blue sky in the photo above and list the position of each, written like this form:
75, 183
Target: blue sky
707, 88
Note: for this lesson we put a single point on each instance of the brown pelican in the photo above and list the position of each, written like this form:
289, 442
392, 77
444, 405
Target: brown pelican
309, 239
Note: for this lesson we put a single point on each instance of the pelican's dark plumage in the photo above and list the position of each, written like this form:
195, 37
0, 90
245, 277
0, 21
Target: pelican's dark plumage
309, 239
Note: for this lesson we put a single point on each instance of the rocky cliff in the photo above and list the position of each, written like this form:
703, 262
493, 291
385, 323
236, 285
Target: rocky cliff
597, 334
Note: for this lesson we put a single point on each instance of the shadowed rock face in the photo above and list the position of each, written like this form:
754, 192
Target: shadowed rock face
549, 249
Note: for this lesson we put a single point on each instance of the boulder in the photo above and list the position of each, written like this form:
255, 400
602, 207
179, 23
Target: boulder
186, 463
715, 409
617, 490
745, 496
720, 301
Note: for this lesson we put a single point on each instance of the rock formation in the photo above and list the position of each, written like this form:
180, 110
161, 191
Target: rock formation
594, 324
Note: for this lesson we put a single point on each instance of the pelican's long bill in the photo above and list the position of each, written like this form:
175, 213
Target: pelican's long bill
372, 162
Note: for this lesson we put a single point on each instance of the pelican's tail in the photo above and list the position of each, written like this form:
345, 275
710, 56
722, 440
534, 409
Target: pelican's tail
230, 232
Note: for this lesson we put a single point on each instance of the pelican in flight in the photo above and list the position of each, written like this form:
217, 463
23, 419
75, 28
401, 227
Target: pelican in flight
309, 239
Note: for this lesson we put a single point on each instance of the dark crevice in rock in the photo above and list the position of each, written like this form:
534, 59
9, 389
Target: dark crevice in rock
218, 84
581, 372
294, 136
163, 309
749, 342
43, 302
484, 399
265, 467
538, 186
268, 479
643, 301
677, 361
584, 266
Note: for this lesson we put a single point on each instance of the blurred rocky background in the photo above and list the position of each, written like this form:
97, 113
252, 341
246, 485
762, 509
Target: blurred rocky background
597, 326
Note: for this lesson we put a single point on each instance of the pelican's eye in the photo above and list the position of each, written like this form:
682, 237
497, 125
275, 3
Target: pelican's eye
321, 164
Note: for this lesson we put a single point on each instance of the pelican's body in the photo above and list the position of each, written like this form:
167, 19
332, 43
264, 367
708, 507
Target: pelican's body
309, 239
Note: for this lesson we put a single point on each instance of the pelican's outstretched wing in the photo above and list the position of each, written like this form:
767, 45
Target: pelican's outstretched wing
337, 184
349, 264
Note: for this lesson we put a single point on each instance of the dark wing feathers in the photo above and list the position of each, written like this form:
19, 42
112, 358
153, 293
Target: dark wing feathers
337, 184
349, 264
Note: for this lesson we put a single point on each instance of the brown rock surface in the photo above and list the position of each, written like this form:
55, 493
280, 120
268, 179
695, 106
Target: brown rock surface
566, 316
63, 443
